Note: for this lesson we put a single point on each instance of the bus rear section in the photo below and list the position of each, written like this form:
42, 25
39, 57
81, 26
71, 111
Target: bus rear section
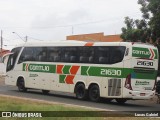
141, 72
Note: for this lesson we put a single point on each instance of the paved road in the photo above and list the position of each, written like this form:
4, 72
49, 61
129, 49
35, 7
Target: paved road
70, 99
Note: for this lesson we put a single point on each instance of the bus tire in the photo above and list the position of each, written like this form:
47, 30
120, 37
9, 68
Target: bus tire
94, 93
81, 92
121, 100
21, 85
45, 92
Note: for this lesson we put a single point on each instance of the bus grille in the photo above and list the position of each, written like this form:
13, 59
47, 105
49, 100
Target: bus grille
144, 70
114, 87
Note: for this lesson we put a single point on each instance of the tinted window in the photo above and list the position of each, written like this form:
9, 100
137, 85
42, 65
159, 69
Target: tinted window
69, 54
117, 54
33, 54
12, 58
27, 55
86, 54
83, 54
41, 54
54, 54
102, 55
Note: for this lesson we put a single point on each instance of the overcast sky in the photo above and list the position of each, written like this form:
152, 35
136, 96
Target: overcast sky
53, 20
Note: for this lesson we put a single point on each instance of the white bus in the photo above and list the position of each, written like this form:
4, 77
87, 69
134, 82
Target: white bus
114, 70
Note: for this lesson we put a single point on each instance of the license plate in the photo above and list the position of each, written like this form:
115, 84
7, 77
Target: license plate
142, 94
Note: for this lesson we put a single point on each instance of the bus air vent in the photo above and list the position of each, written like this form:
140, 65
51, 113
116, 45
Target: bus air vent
114, 87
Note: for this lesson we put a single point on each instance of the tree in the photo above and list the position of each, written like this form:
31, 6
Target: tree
135, 30
148, 26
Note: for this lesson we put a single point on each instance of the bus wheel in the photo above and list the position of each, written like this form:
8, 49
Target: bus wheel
81, 92
21, 85
121, 100
94, 93
45, 92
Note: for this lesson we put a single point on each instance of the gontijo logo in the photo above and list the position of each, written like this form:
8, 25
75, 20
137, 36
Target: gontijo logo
39, 68
144, 53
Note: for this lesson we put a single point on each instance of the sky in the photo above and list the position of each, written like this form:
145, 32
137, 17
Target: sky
53, 20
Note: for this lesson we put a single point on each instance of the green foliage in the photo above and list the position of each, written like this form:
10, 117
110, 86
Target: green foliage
147, 27
135, 30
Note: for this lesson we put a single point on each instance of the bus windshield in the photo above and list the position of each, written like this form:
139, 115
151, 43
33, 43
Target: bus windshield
12, 58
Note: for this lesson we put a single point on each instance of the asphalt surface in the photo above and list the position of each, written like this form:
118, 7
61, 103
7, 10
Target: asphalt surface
70, 99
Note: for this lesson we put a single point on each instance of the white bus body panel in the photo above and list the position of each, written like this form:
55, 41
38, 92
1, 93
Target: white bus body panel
110, 87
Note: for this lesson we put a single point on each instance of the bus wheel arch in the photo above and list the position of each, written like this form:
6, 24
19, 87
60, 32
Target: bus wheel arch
21, 84
80, 91
94, 92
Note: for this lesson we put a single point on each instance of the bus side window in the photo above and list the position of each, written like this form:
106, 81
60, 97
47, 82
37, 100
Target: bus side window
73, 55
57, 55
53, 54
42, 57
83, 57
40, 54
69, 54
116, 57
73, 59
117, 54
51, 57
103, 60
37, 53
91, 55
27, 55
86, 54
102, 54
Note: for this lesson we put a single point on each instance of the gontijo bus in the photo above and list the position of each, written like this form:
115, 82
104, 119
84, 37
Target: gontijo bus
113, 70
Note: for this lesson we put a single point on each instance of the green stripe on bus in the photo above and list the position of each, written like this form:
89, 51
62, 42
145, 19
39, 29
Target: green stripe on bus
115, 72
66, 69
62, 78
92, 71
84, 70
146, 75
103, 71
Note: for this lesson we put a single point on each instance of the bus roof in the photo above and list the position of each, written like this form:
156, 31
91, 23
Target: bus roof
82, 43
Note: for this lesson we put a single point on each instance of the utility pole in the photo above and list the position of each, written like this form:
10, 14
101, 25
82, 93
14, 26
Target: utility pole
26, 38
1, 41
72, 30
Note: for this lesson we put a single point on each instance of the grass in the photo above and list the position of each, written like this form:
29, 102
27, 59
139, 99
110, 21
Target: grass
17, 104
14, 104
